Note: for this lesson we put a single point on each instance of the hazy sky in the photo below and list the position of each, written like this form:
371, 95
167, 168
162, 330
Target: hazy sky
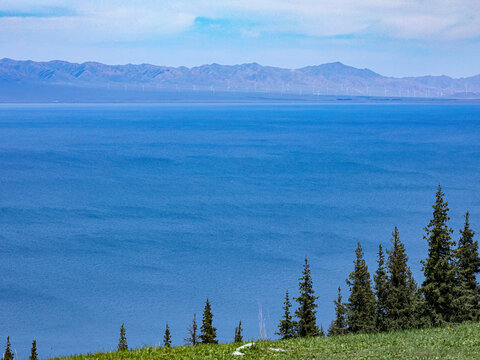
393, 37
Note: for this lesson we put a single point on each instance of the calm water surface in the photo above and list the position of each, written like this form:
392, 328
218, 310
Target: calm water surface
137, 213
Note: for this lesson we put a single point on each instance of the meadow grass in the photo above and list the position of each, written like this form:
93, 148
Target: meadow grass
456, 342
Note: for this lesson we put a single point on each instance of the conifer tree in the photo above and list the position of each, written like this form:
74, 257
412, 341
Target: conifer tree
167, 339
305, 313
208, 332
33, 351
439, 287
467, 267
339, 325
8, 354
402, 288
192, 331
361, 303
321, 332
381, 292
419, 317
286, 328
122, 342
238, 333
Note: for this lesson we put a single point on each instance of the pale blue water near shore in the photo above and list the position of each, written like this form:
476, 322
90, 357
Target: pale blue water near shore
137, 213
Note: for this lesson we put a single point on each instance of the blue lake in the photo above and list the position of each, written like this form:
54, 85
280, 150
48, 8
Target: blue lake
138, 213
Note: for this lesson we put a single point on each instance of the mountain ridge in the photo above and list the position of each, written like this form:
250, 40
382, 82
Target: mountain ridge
333, 78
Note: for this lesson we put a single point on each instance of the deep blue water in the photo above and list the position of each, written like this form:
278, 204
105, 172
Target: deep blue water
137, 213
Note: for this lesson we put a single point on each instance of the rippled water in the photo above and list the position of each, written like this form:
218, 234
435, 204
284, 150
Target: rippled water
137, 213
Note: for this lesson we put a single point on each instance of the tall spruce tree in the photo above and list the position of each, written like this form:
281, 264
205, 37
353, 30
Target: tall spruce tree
192, 331
238, 333
467, 267
381, 291
8, 354
122, 341
33, 351
167, 339
306, 312
339, 325
439, 287
208, 332
361, 303
287, 326
400, 301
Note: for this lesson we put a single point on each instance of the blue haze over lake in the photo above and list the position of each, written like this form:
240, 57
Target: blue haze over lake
137, 213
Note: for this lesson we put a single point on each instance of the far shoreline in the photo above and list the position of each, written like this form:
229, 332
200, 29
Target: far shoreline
322, 100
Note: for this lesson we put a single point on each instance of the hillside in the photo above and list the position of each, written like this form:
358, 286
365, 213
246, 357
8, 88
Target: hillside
457, 342
327, 79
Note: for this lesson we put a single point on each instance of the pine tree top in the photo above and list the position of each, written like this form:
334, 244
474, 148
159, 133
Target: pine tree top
380, 274
361, 303
122, 342
167, 342
208, 331
287, 327
306, 285
34, 355
439, 267
467, 267
306, 301
467, 253
438, 234
381, 290
397, 261
360, 275
8, 354
287, 305
238, 332
339, 325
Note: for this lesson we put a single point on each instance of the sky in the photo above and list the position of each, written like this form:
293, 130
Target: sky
392, 37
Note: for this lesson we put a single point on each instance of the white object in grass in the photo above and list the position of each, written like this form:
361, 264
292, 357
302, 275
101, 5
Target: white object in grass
277, 349
237, 350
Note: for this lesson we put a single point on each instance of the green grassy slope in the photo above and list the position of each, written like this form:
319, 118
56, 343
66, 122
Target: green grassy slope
458, 342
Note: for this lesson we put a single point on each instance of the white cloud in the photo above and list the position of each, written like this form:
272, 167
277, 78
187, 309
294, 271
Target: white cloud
122, 20
92, 21
409, 19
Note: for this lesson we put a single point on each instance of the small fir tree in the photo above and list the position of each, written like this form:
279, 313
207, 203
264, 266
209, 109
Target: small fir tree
208, 332
418, 317
361, 303
238, 333
305, 313
321, 332
381, 291
339, 325
286, 328
192, 331
122, 342
402, 288
439, 287
167, 339
8, 354
33, 351
467, 268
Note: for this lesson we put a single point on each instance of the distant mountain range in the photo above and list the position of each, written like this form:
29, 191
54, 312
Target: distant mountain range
327, 79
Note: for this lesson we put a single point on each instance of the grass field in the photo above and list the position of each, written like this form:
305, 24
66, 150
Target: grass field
457, 342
